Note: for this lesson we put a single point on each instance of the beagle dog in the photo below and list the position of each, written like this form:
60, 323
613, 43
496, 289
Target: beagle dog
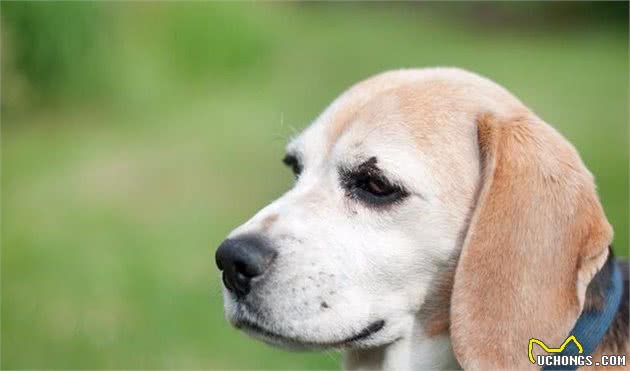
435, 223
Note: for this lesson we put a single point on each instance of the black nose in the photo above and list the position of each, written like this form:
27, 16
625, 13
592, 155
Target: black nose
242, 259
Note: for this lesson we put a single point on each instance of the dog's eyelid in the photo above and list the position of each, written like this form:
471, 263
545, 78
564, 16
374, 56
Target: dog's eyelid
370, 184
370, 167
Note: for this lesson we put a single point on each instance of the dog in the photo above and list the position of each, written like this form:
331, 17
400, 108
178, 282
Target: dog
435, 223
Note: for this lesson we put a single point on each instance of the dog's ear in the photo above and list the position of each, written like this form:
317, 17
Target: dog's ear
537, 236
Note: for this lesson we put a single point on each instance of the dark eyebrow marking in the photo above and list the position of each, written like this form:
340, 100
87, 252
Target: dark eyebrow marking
369, 164
368, 167
365, 168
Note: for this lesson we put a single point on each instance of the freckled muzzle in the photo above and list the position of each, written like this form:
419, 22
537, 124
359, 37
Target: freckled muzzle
242, 259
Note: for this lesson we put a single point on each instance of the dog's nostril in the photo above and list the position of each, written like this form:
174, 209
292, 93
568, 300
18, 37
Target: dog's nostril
246, 270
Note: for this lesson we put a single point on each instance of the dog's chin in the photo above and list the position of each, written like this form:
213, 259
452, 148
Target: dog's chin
362, 339
257, 328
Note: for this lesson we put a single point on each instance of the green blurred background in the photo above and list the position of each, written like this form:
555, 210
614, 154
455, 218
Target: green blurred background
136, 135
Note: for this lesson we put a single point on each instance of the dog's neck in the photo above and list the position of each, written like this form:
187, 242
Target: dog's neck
404, 354
415, 351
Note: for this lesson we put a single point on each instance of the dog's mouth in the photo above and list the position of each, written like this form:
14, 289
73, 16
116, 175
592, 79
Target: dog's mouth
267, 335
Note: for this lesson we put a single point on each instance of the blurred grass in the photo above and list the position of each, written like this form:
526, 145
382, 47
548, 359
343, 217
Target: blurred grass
136, 135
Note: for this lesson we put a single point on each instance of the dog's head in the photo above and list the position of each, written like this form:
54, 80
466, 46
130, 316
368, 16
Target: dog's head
410, 179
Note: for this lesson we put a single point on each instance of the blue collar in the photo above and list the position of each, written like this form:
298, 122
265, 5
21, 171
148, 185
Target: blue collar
592, 325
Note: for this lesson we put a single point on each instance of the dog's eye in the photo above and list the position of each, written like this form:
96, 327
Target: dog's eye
376, 190
379, 187
368, 185
293, 162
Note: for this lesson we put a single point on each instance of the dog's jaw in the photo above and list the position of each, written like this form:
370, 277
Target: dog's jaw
417, 351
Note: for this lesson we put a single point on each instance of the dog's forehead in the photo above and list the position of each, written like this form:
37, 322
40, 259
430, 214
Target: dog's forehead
334, 121
429, 106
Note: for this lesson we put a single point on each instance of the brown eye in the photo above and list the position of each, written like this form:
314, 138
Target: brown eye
368, 184
374, 189
377, 187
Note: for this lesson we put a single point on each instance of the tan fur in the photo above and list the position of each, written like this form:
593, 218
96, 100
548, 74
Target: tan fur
436, 315
537, 208
268, 221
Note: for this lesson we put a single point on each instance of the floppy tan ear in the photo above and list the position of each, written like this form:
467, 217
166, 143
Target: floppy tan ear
537, 236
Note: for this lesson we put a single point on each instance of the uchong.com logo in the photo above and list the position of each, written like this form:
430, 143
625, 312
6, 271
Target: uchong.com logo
556, 358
